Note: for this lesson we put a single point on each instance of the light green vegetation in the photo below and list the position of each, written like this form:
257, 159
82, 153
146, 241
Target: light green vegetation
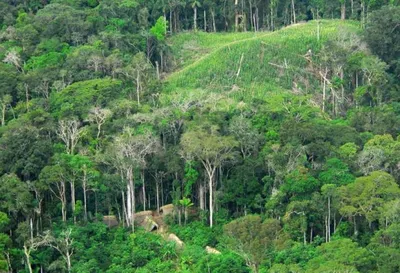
253, 67
189, 47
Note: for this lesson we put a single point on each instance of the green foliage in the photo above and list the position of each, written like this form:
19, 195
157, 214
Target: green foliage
196, 233
299, 183
299, 125
16, 197
262, 57
382, 37
191, 176
342, 254
336, 172
252, 238
78, 98
226, 262
367, 195
159, 29
45, 61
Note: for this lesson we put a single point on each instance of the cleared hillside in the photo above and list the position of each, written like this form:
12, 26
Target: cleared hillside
256, 66
188, 47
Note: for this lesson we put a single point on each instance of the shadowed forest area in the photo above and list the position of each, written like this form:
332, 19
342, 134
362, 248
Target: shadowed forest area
199, 136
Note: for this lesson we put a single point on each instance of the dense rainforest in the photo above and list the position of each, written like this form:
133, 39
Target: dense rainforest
199, 136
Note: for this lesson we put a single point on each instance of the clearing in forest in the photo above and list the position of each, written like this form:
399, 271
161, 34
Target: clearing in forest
247, 66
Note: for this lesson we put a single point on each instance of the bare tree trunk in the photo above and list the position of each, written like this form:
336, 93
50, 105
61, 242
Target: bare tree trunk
138, 87
133, 203
293, 12
143, 190
213, 21
324, 94
125, 218
31, 227
236, 16
73, 201
157, 197
272, 19
9, 265
158, 70
363, 13
3, 114
68, 258
257, 19
129, 204
205, 21
162, 193
27, 96
131, 198
27, 253
251, 15
329, 219
201, 196
326, 228
334, 223
211, 203
255, 22
170, 21
211, 172
84, 186
343, 10
352, 8
63, 203
195, 18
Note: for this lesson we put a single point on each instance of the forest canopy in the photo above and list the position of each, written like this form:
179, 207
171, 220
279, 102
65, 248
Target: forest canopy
199, 136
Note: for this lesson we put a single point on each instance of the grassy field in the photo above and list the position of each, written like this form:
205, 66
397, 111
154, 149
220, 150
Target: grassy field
188, 47
246, 65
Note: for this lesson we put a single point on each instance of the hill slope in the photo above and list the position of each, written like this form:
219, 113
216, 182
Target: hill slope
255, 65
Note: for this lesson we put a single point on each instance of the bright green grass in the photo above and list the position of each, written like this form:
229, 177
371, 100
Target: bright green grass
260, 75
188, 47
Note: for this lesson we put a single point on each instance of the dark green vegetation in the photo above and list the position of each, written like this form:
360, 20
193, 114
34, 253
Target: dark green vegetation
276, 140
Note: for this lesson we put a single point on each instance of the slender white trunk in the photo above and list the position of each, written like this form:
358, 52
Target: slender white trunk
329, 219
195, 18
84, 186
3, 114
27, 253
201, 196
124, 210
210, 185
138, 87
143, 191
31, 227
73, 201
213, 21
158, 197
343, 10
294, 12
205, 21
63, 203
68, 259
131, 199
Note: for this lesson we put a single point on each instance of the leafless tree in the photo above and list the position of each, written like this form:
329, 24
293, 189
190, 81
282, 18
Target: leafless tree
95, 62
13, 58
62, 245
4, 104
99, 116
69, 132
130, 153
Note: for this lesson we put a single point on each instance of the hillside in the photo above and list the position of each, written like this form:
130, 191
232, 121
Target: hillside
199, 136
251, 67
